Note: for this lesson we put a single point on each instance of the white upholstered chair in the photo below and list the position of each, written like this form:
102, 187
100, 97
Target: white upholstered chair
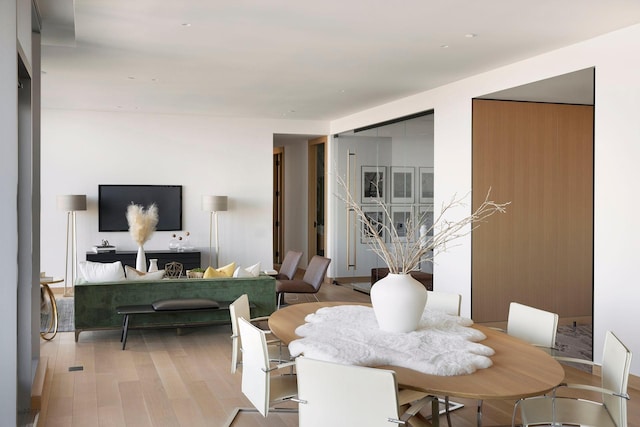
533, 325
240, 308
444, 301
332, 394
259, 384
611, 411
448, 303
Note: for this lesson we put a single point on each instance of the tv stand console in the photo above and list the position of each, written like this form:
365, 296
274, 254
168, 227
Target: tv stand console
188, 259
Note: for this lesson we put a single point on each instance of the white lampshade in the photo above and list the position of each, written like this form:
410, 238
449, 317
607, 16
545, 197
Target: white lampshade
214, 203
72, 202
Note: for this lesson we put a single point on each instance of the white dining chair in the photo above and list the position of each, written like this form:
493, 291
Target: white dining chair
259, 384
610, 411
448, 303
240, 308
444, 301
533, 325
347, 395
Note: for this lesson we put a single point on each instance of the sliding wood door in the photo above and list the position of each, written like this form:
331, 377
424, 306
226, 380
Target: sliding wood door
540, 157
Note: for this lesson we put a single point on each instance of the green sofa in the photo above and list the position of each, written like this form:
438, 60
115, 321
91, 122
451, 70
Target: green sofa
95, 303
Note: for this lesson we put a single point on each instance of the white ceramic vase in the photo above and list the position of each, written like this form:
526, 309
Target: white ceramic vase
141, 260
398, 302
153, 264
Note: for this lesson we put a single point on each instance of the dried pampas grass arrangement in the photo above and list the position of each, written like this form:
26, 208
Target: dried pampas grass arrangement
142, 223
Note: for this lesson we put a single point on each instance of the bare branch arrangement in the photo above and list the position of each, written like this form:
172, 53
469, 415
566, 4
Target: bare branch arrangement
142, 223
404, 254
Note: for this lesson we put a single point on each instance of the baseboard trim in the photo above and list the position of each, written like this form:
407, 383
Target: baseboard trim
37, 388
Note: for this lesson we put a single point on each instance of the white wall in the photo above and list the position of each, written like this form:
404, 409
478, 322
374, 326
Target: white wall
617, 128
81, 150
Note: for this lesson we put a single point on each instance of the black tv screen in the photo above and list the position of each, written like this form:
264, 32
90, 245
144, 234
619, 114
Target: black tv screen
113, 201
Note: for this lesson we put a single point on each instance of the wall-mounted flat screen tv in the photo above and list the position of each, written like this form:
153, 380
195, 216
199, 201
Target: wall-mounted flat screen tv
113, 201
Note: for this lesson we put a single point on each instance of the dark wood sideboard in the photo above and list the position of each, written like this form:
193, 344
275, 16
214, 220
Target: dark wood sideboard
189, 259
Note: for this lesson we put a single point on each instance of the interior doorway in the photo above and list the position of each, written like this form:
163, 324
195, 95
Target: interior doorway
317, 197
278, 205
292, 172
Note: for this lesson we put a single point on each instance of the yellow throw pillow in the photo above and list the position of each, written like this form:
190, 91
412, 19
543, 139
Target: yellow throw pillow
226, 271
210, 273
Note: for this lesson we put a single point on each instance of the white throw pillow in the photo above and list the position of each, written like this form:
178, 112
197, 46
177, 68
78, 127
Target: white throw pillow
97, 272
251, 271
133, 274
254, 269
241, 272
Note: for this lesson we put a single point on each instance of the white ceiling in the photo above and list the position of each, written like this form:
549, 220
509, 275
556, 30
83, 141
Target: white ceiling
297, 60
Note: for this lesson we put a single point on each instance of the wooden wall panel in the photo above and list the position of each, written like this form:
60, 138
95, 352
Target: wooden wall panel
539, 157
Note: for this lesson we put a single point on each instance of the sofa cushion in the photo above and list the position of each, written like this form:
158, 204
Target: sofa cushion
98, 272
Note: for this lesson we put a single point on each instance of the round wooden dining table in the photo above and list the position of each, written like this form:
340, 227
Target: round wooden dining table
519, 369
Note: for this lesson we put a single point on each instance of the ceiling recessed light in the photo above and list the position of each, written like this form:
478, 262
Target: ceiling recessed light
444, 46
131, 78
186, 24
471, 35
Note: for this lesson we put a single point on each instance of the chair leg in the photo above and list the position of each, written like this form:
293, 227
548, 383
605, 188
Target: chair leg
450, 406
447, 412
280, 298
236, 411
125, 331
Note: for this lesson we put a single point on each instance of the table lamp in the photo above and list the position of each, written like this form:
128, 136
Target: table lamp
214, 204
71, 203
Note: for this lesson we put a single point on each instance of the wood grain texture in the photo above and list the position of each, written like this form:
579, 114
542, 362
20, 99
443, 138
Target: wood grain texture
540, 253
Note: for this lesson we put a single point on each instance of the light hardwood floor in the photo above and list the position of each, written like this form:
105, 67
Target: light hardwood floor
166, 379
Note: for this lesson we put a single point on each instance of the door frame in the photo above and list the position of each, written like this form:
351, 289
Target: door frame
312, 236
278, 205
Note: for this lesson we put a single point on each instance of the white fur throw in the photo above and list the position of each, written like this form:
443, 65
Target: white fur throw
349, 334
